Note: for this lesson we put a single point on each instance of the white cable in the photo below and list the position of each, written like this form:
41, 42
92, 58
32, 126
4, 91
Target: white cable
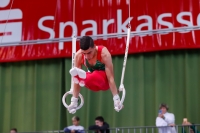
73, 65
74, 11
72, 83
73, 46
126, 55
55, 15
129, 11
121, 87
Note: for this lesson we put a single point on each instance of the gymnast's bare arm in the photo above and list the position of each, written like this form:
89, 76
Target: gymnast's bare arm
78, 63
107, 60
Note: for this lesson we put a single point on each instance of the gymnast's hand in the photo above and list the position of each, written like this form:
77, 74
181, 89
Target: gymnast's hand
72, 107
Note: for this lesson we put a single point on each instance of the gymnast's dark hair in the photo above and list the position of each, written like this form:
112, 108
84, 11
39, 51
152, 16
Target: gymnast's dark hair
86, 42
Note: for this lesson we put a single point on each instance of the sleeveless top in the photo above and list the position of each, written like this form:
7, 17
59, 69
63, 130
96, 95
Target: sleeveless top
98, 65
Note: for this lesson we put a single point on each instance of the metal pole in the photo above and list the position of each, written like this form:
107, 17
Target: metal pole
101, 36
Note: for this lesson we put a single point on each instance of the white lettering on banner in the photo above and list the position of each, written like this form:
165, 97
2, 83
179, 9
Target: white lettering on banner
148, 24
121, 26
62, 31
106, 23
93, 28
4, 3
64, 25
165, 23
198, 19
183, 21
10, 31
13, 32
10, 14
46, 29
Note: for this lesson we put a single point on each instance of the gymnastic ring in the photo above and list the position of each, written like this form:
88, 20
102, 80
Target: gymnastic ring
122, 88
123, 96
68, 93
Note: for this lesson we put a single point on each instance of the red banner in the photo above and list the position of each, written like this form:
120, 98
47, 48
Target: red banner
34, 20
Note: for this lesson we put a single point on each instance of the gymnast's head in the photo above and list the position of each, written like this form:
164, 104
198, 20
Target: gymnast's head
87, 47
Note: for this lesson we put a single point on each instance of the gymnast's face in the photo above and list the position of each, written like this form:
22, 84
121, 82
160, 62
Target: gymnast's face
89, 53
